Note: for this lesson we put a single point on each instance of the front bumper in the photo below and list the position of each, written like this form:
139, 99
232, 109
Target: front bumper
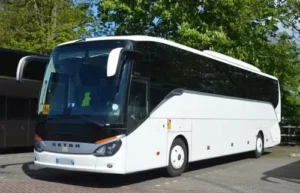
83, 162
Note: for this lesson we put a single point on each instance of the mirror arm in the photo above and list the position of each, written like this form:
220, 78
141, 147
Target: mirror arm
115, 59
131, 53
24, 61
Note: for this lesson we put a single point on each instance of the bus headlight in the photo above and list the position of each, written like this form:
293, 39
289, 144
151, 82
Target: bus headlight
38, 146
108, 149
37, 143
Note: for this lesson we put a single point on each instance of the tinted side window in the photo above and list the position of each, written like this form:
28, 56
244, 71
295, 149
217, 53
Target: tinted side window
223, 79
17, 109
141, 65
169, 66
173, 68
234, 82
267, 90
2, 108
274, 92
181, 63
206, 77
159, 63
157, 94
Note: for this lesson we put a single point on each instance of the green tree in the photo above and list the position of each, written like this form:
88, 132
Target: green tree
247, 30
39, 25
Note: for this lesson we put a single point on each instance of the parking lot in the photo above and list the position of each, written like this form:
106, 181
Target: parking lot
274, 172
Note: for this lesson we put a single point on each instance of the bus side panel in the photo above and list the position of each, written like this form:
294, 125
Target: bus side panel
206, 139
240, 135
147, 146
220, 125
214, 138
227, 126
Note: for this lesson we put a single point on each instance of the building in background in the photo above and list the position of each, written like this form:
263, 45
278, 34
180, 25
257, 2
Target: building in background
18, 102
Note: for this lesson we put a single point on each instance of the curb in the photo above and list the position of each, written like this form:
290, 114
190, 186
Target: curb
294, 154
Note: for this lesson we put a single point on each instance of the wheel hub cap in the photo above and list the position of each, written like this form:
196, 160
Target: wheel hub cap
177, 157
259, 145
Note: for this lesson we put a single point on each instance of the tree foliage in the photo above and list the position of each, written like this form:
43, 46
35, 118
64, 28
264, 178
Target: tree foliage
39, 25
247, 30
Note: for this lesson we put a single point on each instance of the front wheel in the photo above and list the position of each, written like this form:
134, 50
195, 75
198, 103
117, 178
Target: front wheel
177, 158
259, 150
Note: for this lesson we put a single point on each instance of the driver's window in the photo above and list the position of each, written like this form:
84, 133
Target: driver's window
137, 105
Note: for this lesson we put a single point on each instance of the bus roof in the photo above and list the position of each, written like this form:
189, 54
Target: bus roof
207, 53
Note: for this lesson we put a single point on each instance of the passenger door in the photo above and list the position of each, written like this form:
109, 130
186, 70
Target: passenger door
146, 142
17, 122
138, 103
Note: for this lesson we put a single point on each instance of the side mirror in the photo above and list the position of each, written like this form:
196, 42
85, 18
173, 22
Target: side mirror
115, 58
24, 61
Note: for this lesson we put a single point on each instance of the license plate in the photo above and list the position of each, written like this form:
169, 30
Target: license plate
65, 161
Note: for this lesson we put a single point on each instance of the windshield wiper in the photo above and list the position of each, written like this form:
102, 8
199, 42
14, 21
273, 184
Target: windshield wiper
74, 116
49, 118
82, 117
91, 120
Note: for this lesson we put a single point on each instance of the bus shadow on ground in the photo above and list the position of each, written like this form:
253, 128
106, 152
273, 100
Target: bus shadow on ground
87, 179
289, 172
220, 161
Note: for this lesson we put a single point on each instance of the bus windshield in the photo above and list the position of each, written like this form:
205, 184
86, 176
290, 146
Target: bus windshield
75, 83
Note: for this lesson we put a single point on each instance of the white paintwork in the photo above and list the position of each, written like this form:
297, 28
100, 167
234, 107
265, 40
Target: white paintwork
211, 126
112, 62
226, 125
143, 144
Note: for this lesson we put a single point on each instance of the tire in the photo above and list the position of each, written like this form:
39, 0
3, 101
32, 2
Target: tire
177, 158
259, 146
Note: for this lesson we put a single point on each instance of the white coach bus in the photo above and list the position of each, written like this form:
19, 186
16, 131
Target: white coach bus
125, 104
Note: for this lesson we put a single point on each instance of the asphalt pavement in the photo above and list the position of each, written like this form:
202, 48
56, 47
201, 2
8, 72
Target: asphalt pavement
276, 171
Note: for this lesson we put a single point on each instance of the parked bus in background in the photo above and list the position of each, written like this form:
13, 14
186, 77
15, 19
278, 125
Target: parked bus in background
125, 104
18, 102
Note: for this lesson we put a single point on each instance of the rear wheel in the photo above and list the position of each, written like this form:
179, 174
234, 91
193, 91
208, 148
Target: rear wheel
259, 150
177, 158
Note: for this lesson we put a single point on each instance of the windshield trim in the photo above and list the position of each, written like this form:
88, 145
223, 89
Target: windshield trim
51, 69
